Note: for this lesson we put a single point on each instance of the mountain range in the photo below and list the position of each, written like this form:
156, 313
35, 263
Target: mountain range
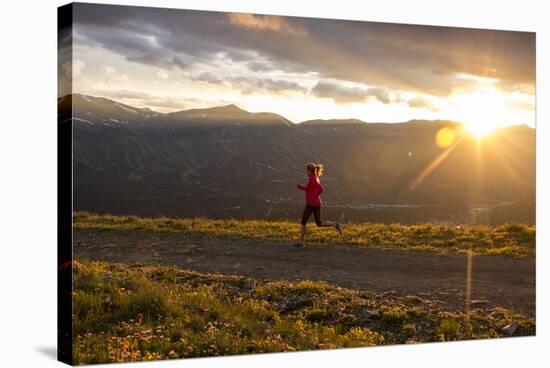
225, 162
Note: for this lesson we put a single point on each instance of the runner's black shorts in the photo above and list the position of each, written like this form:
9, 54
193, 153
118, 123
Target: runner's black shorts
308, 210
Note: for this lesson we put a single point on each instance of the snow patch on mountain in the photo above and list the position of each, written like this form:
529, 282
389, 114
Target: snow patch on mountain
83, 120
126, 108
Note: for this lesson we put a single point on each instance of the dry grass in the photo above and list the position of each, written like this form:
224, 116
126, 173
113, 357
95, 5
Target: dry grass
516, 240
133, 313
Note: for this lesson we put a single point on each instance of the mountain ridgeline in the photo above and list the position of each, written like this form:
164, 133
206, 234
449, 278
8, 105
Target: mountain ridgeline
226, 162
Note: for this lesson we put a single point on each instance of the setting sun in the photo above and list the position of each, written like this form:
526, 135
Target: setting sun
479, 130
483, 111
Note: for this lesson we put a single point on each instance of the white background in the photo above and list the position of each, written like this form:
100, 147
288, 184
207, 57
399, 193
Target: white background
28, 181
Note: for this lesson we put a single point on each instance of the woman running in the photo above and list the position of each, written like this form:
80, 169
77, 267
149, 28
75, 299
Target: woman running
313, 191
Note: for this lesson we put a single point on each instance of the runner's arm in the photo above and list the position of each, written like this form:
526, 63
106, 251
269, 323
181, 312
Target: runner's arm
309, 185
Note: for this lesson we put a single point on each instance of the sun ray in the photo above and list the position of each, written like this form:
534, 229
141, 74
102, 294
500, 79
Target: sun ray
499, 153
434, 164
515, 143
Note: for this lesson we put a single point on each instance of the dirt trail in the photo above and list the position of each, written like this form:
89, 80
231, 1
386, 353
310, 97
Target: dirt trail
496, 281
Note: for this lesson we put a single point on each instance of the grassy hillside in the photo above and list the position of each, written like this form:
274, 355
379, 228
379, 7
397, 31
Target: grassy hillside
133, 313
511, 239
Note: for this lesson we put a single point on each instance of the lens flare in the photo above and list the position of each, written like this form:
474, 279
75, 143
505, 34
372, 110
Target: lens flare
445, 137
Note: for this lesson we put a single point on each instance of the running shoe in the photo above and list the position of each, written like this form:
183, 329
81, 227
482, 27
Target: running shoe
339, 228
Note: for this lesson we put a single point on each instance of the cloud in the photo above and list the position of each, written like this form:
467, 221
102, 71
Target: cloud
206, 77
344, 94
64, 61
260, 66
73, 69
162, 74
135, 45
380, 94
265, 22
420, 103
420, 59
78, 67
122, 94
522, 105
177, 62
252, 85
339, 93
161, 103
112, 76
142, 99
69, 71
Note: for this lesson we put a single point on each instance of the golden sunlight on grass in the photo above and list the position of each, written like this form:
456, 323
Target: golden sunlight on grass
126, 313
514, 240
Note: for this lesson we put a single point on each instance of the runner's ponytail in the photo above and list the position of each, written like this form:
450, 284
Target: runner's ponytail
316, 168
319, 168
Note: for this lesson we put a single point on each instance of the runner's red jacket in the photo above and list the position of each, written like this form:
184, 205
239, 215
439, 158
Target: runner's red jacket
313, 190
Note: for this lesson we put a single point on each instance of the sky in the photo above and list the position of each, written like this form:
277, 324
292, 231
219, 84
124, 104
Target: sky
301, 68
